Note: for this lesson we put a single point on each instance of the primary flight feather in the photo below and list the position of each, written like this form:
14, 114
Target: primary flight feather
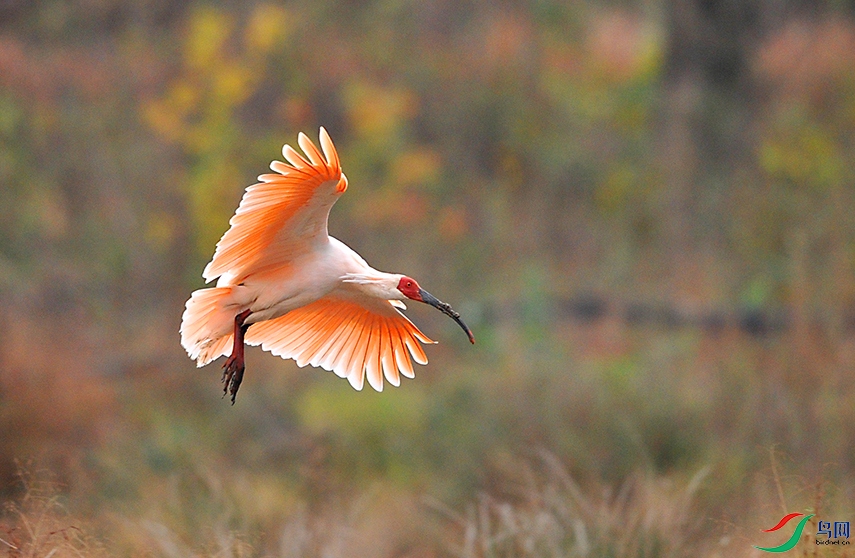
285, 284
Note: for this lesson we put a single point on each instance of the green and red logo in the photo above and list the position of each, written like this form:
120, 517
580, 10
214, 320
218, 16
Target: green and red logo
836, 533
794, 539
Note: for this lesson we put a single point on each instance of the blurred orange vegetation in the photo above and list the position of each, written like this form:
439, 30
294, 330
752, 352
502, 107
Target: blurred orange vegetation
644, 211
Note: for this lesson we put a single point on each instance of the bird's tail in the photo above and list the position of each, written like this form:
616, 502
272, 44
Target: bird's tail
207, 325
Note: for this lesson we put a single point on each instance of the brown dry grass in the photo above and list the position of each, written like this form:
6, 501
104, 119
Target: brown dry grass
38, 524
549, 514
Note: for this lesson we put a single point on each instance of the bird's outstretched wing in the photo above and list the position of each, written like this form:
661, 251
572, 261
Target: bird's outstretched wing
354, 337
283, 215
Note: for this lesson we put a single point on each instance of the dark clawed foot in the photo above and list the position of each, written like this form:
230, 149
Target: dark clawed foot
234, 385
234, 366
232, 376
227, 375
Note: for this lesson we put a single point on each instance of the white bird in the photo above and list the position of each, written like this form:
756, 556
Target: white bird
285, 284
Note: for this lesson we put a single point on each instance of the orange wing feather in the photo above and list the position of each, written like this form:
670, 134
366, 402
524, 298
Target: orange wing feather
280, 216
352, 337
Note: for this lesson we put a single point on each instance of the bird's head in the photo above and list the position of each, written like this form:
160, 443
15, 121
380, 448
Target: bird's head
410, 288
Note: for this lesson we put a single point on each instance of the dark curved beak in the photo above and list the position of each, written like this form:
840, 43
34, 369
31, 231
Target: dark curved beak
446, 309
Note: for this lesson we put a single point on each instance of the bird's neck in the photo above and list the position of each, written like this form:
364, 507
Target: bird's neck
375, 284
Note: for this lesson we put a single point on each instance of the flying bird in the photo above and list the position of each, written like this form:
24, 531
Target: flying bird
285, 284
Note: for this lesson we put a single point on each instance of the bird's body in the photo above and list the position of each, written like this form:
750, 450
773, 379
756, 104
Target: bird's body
311, 276
285, 284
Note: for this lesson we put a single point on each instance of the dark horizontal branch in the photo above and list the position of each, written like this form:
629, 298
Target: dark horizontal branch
590, 309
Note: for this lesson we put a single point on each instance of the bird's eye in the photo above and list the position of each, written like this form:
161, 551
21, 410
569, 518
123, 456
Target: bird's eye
409, 283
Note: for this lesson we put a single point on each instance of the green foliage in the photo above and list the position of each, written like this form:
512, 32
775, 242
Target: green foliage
374, 435
221, 69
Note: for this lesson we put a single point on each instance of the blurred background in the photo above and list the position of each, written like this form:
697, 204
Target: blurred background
643, 208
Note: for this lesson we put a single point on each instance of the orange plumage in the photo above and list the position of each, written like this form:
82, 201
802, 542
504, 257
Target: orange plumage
285, 284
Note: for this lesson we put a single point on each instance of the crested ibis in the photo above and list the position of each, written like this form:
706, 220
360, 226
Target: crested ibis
285, 284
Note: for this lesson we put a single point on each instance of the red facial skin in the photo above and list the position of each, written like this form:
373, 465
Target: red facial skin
410, 288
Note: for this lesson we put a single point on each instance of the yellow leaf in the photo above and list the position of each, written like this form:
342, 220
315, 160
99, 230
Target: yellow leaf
268, 26
209, 31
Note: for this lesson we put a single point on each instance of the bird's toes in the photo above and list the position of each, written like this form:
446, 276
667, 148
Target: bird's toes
235, 381
228, 373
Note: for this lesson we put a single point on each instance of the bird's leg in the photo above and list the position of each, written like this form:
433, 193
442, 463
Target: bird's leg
234, 366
